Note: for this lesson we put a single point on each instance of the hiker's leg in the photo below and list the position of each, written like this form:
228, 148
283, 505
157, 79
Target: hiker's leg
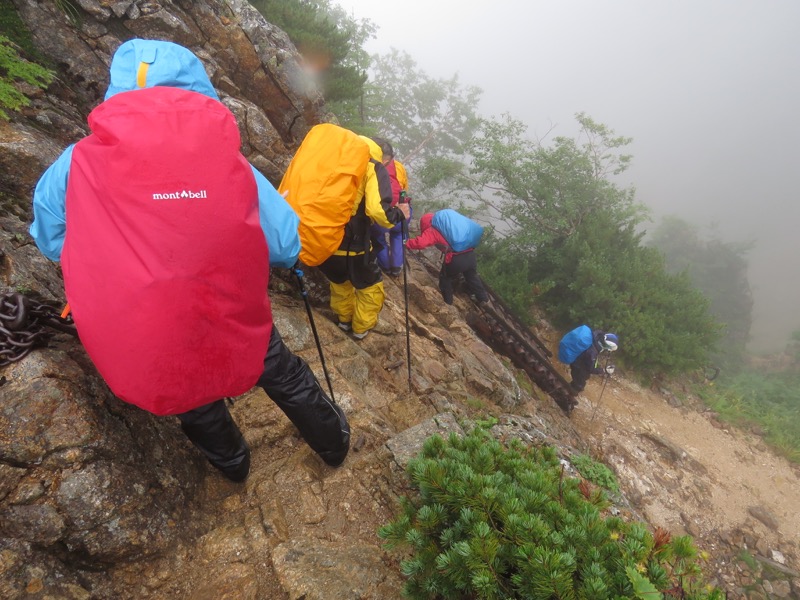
580, 375
290, 383
469, 267
369, 294
446, 285
369, 302
343, 300
213, 431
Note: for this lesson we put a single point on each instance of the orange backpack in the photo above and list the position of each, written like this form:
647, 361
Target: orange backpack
321, 185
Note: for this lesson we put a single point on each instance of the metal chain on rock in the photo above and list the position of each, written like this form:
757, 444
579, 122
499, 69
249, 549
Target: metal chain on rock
22, 326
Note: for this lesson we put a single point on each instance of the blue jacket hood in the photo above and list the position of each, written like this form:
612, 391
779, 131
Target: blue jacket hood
141, 64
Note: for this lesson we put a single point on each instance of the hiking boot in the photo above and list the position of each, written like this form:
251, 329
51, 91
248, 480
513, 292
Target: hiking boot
335, 458
239, 472
360, 336
344, 326
394, 272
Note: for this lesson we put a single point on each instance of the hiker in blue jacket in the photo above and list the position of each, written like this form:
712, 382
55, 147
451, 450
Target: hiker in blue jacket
141, 72
580, 349
458, 261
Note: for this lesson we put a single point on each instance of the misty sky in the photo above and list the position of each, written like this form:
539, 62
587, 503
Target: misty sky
708, 89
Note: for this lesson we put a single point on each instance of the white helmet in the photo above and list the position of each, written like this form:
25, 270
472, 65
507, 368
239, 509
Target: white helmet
610, 342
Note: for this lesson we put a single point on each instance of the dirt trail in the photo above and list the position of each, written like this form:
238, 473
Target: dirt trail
687, 472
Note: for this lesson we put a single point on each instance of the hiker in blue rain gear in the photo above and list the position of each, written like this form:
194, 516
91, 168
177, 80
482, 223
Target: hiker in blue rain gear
455, 236
77, 195
580, 349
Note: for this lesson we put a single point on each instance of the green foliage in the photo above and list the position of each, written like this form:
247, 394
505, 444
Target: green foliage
508, 271
603, 276
18, 61
428, 121
571, 243
13, 28
498, 522
642, 587
14, 68
719, 270
596, 472
486, 423
769, 400
544, 193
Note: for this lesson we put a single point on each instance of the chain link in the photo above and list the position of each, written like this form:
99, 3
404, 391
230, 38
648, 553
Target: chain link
22, 326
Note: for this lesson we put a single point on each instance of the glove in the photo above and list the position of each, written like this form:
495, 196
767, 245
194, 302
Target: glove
610, 370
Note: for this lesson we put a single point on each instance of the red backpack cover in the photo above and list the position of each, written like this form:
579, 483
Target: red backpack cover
165, 264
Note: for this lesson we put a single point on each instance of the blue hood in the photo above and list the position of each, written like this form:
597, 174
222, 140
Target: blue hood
147, 63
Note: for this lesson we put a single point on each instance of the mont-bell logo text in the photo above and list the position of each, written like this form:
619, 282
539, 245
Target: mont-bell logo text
182, 195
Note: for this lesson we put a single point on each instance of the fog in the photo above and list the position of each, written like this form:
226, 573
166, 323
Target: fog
708, 90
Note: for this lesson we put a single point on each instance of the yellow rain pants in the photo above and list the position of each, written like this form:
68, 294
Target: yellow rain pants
360, 308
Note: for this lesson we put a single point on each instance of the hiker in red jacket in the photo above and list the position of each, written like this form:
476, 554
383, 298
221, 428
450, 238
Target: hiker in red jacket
166, 235
455, 263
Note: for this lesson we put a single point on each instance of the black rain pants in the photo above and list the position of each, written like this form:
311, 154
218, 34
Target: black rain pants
290, 383
465, 264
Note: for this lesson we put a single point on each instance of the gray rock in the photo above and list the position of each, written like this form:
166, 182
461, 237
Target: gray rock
24, 154
312, 570
765, 516
778, 557
408, 444
778, 567
781, 589
38, 523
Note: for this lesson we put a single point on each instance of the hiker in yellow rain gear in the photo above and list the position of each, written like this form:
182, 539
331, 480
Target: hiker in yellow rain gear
357, 293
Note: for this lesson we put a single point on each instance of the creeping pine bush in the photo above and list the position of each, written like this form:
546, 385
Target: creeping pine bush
496, 522
596, 472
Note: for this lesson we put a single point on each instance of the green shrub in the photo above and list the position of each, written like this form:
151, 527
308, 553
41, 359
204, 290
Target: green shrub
496, 522
769, 400
13, 67
596, 472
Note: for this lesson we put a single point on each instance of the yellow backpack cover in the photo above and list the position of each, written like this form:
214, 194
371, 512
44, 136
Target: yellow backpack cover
402, 175
321, 185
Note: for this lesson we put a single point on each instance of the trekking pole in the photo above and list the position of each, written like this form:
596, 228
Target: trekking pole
405, 295
606, 377
299, 274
